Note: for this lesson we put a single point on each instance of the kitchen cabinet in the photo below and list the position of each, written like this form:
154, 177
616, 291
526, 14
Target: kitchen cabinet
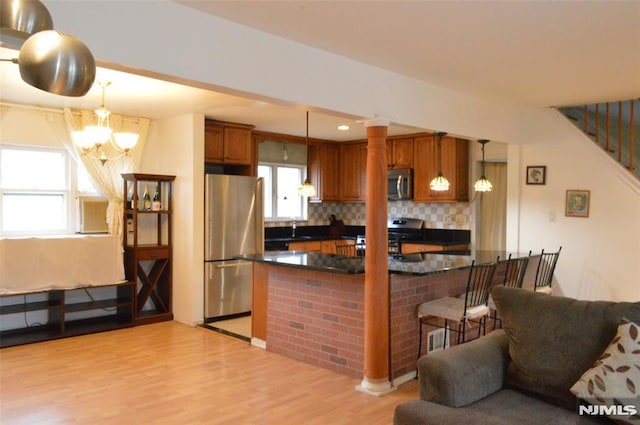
147, 247
323, 246
323, 162
329, 247
312, 246
226, 143
411, 248
454, 166
353, 172
400, 153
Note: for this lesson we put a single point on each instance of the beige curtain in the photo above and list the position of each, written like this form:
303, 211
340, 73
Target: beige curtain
107, 178
493, 209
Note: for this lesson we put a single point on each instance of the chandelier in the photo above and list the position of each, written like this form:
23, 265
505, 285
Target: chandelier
483, 184
92, 138
306, 189
440, 183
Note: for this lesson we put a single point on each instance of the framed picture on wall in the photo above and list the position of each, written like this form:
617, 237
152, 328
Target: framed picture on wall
577, 203
536, 174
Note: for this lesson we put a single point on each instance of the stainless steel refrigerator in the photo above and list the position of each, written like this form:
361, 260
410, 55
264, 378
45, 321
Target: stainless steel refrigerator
234, 225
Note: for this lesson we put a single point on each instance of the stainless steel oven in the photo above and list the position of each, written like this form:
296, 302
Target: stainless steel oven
401, 229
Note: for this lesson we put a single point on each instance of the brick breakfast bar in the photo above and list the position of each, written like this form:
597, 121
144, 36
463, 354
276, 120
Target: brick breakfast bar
310, 306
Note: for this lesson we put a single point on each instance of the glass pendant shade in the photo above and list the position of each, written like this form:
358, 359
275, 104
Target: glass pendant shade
439, 184
307, 190
483, 185
125, 141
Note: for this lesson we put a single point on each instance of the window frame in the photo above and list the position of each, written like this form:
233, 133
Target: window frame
69, 192
274, 195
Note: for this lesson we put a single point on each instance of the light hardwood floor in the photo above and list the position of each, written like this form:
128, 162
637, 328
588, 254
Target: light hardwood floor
171, 373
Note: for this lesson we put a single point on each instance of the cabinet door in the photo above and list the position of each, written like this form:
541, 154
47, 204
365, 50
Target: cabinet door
353, 172
314, 169
310, 246
453, 164
329, 172
213, 143
237, 146
400, 153
423, 168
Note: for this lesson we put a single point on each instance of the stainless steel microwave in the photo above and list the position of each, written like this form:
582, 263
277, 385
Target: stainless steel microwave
400, 184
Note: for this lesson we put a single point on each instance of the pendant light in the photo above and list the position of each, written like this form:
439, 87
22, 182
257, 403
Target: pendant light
306, 189
440, 183
483, 185
91, 139
49, 60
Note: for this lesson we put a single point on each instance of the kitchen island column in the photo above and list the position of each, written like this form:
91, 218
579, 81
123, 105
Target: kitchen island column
376, 279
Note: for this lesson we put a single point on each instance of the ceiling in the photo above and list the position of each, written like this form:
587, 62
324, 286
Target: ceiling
520, 53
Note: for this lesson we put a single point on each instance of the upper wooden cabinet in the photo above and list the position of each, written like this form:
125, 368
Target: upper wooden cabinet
454, 166
353, 172
400, 153
323, 171
227, 143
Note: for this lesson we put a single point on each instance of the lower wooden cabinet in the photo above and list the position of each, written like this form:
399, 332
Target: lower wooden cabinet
412, 248
325, 246
312, 246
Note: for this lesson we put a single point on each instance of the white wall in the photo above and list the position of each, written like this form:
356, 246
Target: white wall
28, 126
176, 147
600, 256
214, 53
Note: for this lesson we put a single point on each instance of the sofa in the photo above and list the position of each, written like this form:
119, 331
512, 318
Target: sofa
554, 362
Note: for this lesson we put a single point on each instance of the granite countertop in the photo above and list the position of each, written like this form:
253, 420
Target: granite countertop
409, 264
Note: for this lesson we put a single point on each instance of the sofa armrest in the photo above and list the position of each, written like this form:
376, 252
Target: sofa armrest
465, 373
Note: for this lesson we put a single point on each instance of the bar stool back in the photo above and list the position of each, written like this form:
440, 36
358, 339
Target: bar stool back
470, 308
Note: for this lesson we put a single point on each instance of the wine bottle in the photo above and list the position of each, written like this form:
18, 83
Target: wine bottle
156, 205
146, 199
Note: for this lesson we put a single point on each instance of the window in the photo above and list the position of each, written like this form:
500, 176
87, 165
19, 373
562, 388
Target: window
281, 199
37, 185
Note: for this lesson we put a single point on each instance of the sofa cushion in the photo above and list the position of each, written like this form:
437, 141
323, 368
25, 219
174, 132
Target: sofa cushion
614, 379
553, 340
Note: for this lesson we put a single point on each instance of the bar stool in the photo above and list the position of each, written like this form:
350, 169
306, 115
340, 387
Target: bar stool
513, 277
544, 272
473, 307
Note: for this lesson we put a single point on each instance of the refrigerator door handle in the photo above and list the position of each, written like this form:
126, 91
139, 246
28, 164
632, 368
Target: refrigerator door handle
238, 264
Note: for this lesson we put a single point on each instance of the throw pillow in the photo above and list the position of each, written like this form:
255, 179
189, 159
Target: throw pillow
614, 379
553, 339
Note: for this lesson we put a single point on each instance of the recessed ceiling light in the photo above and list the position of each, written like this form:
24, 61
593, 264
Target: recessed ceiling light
343, 127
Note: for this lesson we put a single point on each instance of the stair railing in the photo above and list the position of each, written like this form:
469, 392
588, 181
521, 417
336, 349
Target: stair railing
612, 126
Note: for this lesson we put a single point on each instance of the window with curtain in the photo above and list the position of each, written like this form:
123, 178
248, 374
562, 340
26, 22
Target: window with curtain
37, 190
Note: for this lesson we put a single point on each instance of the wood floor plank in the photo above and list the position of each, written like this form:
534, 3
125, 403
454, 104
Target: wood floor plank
171, 373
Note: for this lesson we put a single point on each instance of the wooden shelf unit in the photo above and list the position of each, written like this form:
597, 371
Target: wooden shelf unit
64, 317
148, 248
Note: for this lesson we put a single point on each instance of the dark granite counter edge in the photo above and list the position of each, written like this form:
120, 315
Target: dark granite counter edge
332, 263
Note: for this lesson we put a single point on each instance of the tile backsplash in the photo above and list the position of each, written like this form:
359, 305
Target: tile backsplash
454, 215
